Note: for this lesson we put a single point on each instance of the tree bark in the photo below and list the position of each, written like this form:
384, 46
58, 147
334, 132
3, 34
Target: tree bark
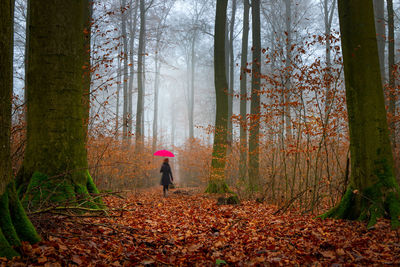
243, 93
191, 92
288, 62
217, 182
132, 34
125, 115
255, 99
379, 12
231, 76
118, 93
373, 191
139, 107
55, 114
156, 89
14, 224
392, 85
87, 21
328, 16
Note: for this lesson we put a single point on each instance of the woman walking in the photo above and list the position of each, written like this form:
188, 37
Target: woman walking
166, 178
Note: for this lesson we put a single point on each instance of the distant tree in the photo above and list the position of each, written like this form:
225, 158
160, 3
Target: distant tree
14, 224
328, 11
255, 98
132, 34
243, 92
231, 68
140, 98
373, 191
55, 167
217, 182
160, 29
125, 113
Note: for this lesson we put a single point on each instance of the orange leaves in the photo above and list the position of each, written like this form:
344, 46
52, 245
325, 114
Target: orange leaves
192, 230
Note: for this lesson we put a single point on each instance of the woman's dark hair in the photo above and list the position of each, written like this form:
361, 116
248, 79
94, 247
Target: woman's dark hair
166, 160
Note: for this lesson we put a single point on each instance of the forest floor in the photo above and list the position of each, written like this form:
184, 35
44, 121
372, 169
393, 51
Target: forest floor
190, 229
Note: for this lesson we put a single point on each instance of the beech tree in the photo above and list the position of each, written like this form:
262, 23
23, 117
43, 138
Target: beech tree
243, 92
125, 114
373, 191
55, 168
392, 69
217, 182
140, 82
255, 98
14, 224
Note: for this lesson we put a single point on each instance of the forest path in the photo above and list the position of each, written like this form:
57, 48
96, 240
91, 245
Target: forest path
192, 229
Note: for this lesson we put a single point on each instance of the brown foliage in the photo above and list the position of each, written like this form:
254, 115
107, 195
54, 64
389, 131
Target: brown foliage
193, 230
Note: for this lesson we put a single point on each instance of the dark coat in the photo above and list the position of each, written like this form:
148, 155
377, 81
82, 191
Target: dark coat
166, 178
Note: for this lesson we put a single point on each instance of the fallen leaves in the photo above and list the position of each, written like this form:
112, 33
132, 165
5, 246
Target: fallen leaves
192, 229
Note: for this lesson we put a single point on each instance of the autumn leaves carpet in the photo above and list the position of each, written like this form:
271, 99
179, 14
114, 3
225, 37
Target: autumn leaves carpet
145, 229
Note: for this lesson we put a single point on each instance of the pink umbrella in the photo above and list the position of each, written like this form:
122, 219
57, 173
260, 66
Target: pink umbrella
164, 153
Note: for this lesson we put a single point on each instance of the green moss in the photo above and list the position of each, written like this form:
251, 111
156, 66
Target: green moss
84, 197
230, 200
92, 188
370, 205
217, 186
392, 204
6, 224
43, 191
25, 230
385, 174
375, 212
5, 249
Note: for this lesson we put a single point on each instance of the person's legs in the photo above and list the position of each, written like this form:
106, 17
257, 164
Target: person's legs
165, 190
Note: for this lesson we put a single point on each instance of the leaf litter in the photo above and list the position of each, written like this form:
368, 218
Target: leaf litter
192, 230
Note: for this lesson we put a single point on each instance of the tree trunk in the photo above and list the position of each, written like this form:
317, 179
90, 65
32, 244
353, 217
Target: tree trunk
55, 112
191, 92
379, 12
243, 93
288, 61
14, 224
392, 85
156, 89
87, 21
125, 115
373, 191
255, 99
118, 90
231, 76
26, 54
217, 182
139, 107
132, 33
328, 16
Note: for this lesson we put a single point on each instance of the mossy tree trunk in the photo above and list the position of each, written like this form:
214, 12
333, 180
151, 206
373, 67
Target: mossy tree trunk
255, 99
217, 182
55, 166
14, 224
373, 191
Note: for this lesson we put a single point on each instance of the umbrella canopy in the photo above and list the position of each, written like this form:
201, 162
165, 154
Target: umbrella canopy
164, 153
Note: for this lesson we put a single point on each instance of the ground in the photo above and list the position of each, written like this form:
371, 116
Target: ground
146, 229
